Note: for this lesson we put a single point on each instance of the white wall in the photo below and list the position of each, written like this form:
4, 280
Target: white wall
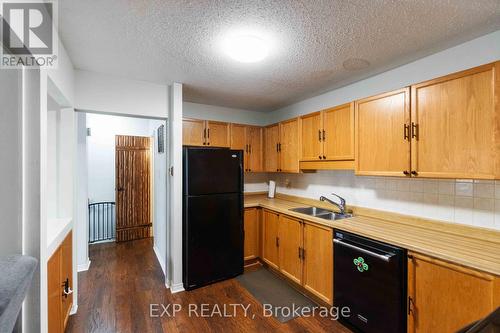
81, 183
174, 229
101, 151
160, 193
220, 113
111, 94
11, 165
473, 53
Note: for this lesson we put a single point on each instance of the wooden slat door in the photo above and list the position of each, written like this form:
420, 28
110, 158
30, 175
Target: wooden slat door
382, 144
290, 243
271, 154
338, 135
312, 137
133, 187
455, 125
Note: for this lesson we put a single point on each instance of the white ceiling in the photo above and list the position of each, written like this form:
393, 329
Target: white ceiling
167, 41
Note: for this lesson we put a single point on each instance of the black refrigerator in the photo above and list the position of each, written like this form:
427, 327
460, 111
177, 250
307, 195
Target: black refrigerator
212, 215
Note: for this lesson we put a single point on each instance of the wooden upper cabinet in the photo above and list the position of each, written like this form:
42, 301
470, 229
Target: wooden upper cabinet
290, 243
338, 135
254, 139
238, 136
270, 240
193, 132
382, 134
271, 148
318, 261
444, 297
289, 145
218, 134
312, 137
456, 125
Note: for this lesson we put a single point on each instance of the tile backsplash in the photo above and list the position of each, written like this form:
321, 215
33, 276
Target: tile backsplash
464, 201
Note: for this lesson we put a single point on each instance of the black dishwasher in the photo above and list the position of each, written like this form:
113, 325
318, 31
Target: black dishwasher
370, 278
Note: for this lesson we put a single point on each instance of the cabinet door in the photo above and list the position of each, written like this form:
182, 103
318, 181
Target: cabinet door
218, 134
338, 124
290, 244
382, 145
251, 227
318, 261
271, 141
238, 136
239, 141
67, 273
270, 224
446, 297
254, 149
454, 125
289, 146
193, 132
54, 293
312, 137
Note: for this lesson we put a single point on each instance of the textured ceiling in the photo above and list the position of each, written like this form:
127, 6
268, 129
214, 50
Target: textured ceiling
166, 41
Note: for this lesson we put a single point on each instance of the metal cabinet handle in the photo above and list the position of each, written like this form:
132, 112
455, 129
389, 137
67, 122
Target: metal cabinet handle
414, 173
414, 131
319, 135
277, 147
300, 254
324, 135
277, 241
384, 257
208, 133
406, 172
320, 157
406, 132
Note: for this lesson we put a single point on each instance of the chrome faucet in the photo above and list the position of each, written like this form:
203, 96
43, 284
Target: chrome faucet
340, 206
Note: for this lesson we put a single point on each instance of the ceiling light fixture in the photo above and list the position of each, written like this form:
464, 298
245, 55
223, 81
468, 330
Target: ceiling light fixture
245, 47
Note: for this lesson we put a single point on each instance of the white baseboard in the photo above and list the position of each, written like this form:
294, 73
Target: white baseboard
176, 288
161, 260
74, 309
84, 267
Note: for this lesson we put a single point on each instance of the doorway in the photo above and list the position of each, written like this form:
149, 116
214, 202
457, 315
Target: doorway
122, 183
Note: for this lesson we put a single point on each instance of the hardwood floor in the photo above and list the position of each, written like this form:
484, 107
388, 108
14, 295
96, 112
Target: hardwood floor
125, 278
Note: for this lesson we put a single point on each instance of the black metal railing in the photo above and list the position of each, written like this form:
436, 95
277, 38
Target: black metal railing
102, 221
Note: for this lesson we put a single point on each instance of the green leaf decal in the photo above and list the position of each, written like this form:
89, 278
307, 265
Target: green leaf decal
360, 264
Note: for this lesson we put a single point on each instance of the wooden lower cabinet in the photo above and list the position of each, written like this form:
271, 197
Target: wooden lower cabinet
318, 261
290, 247
251, 227
270, 240
60, 270
445, 297
301, 251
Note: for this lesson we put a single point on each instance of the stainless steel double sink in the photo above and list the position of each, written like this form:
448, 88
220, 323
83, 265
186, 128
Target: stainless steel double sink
321, 213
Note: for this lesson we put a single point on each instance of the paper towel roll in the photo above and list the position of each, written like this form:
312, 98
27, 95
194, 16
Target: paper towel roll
272, 188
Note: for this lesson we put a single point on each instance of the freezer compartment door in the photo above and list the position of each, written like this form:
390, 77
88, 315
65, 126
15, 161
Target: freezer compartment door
212, 171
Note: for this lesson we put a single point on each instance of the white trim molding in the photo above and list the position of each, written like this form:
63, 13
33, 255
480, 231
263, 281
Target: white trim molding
177, 288
84, 267
160, 259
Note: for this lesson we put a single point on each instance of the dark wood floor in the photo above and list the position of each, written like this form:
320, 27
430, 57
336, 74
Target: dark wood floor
125, 278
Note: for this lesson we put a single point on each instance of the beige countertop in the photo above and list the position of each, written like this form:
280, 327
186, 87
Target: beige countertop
477, 248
